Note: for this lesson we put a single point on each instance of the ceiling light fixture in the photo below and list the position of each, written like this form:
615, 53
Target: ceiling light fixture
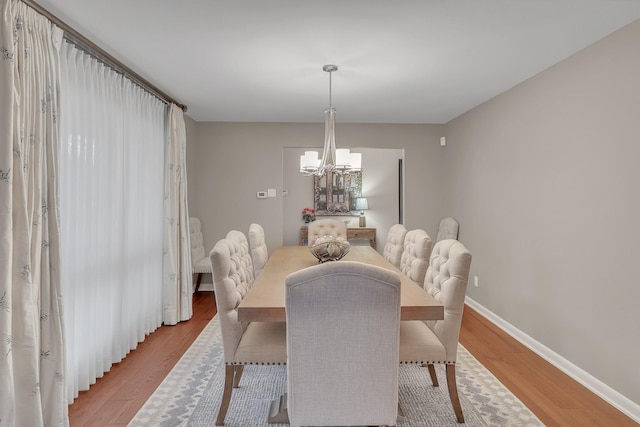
341, 160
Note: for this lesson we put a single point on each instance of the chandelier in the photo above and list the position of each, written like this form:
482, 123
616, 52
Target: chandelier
340, 160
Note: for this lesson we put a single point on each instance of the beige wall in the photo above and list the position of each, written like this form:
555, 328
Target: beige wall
229, 162
545, 182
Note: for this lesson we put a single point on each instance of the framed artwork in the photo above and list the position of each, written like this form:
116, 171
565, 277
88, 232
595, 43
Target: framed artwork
335, 194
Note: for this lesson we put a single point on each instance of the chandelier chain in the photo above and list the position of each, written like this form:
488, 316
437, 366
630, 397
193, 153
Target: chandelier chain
330, 92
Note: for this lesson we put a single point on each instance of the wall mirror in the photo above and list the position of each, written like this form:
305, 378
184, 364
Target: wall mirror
335, 194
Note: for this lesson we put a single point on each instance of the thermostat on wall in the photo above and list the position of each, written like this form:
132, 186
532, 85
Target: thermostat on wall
261, 194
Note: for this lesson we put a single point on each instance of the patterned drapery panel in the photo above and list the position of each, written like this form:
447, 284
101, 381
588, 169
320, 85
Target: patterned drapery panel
31, 329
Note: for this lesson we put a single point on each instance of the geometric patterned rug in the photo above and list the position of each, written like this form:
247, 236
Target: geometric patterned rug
190, 395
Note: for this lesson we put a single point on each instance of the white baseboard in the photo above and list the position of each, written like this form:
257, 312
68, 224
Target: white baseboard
620, 402
205, 287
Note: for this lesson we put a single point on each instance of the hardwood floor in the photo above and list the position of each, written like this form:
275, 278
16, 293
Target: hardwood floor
116, 397
554, 397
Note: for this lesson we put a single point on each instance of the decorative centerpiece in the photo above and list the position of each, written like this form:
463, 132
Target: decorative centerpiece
329, 248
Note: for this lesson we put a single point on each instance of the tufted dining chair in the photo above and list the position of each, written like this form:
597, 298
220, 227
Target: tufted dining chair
436, 341
241, 239
415, 255
358, 383
255, 343
448, 229
324, 227
394, 247
199, 261
258, 247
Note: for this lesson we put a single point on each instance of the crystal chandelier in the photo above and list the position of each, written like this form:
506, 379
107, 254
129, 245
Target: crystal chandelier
340, 160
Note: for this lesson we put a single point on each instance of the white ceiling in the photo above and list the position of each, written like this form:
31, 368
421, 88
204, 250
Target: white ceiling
422, 61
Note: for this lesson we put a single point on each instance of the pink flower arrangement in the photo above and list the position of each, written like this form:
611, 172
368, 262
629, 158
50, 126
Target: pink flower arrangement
308, 215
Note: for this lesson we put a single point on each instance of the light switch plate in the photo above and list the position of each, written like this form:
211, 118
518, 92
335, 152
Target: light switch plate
272, 192
261, 194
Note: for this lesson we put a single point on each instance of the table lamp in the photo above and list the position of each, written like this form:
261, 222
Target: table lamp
362, 204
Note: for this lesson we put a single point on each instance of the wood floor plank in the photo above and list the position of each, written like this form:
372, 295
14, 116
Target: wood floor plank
552, 395
555, 398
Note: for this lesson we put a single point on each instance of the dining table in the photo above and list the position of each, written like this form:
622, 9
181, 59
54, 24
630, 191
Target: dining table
265, 300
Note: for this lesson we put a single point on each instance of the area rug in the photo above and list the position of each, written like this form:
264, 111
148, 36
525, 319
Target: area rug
191, 393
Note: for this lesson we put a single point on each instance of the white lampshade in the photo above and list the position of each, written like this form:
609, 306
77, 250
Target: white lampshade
355, 161
362, 203
342, 158
309, 161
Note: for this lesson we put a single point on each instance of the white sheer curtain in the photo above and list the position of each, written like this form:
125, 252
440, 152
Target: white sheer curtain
178, 276
111, 194
31, 332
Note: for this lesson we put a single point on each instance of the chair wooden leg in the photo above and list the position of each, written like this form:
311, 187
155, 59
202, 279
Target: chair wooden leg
226, 394
453, 392
236, 379
432, 373
198, 280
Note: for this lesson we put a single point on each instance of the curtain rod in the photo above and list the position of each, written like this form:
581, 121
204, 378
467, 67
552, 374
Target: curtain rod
83, 43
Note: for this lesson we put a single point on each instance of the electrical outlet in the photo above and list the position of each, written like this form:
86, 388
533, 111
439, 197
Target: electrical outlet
475, 281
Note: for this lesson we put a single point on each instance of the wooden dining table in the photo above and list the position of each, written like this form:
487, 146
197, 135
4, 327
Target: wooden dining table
265, 301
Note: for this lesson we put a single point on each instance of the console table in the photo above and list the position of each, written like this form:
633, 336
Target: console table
352, 233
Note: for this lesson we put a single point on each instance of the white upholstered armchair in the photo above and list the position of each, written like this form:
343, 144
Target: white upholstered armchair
326, 227
433, 342
258, 248
415, 256
259, 343
351, 311
394, 247
447, 229
199, 260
